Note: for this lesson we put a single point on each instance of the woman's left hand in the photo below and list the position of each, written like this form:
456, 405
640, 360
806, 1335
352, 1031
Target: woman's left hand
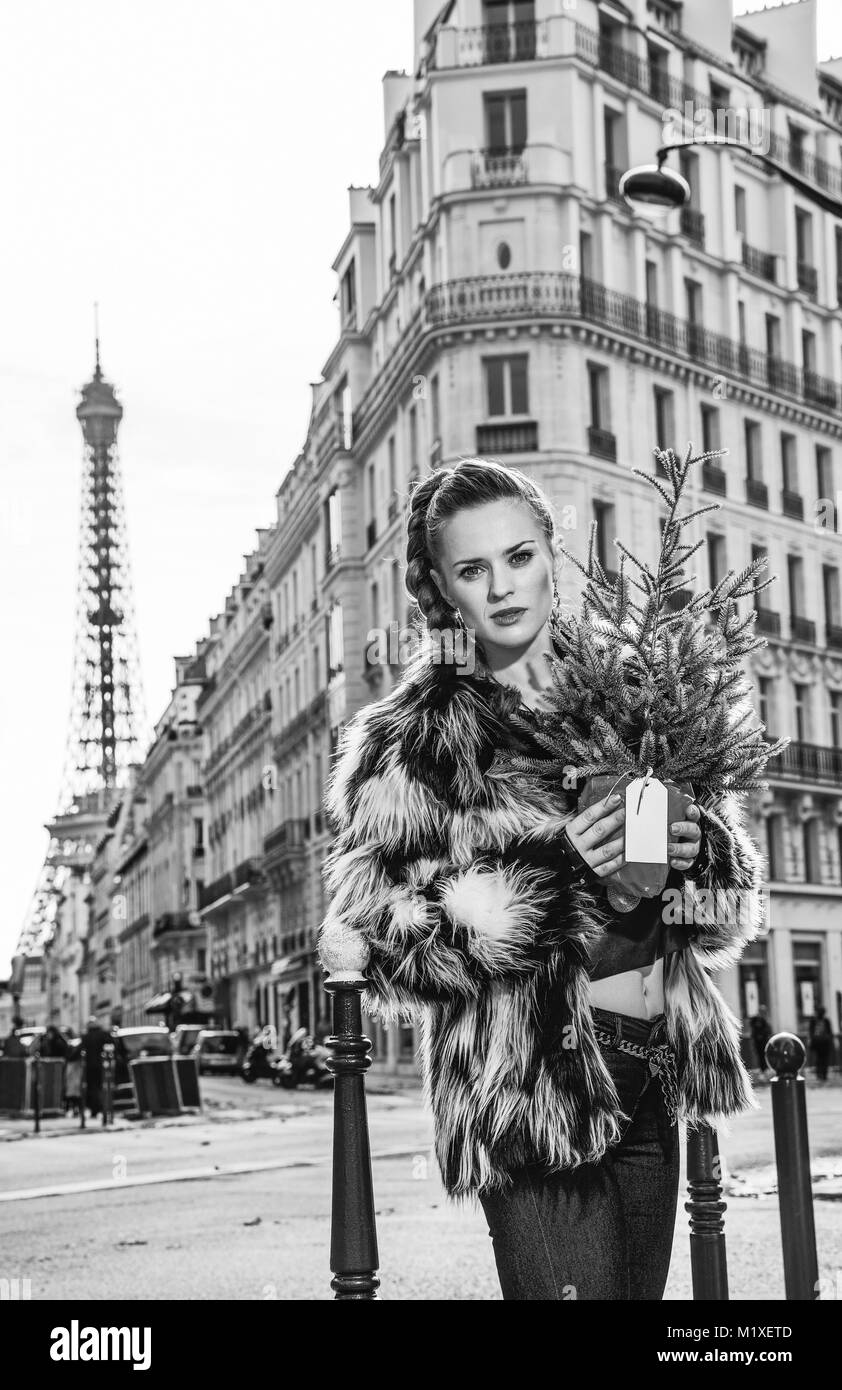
685, 840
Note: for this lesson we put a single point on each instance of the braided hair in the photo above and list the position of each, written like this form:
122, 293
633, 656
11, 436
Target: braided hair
433, 501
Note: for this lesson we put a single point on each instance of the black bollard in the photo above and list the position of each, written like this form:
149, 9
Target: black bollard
83, 1088
36, 1085
707, 1229
354, 1257
786, 1056
107, 1084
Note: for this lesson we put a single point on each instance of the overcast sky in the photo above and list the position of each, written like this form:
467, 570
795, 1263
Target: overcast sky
186, 164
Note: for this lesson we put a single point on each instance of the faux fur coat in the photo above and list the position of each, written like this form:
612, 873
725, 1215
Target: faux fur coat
445, 864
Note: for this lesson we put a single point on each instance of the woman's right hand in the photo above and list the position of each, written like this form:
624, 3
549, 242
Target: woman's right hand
598, 833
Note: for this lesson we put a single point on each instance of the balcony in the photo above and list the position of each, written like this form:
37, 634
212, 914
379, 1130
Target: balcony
792, 504
757, 493
559, 296
220, 888
498, 168
613, 174
802, 629
519, 437
693, 225
714, 479
487, 44
602, 443
760, 263
808, 760
768, 621
808, 278
173, 922
833, 635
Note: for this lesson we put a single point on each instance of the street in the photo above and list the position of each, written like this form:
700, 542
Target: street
235, 1203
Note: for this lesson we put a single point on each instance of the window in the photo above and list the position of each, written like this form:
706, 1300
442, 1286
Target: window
775, 847
824, 471
598, 394
198, 832
505, 122
393, 479
334, 521
689, 165
664, 418
802, 712
754, 979
789, 463
393, 234
603, 514
795, 577
754, 467
830, 589
808, 350
810, 830
335, 639
434, 408
764, 701
773, 335
348, 297
652, 284
507, 385
796, 146
835, 699
372, 491
711, 432
803, 237
509, 30
586, 255
375, 604
717, 566
741, 320
740, 209
504, 255
614, 136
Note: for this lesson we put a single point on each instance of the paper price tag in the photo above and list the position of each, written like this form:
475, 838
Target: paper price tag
646, 821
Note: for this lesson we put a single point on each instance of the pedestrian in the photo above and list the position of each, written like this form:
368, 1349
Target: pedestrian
562, 1040
73, 1078
821, 1041
761, 1032
93, 1042
53, 1043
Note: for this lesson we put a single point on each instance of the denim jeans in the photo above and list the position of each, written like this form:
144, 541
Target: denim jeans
603, 1230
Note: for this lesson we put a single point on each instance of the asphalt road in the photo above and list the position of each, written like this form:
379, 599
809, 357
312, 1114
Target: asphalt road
163, 1215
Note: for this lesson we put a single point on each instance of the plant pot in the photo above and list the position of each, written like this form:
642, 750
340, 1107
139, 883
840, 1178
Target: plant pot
636, 879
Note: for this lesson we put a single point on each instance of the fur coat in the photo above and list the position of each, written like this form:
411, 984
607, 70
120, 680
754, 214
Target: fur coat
444, 864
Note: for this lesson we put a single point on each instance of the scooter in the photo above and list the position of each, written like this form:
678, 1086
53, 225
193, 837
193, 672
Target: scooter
259, 1062
305, 1061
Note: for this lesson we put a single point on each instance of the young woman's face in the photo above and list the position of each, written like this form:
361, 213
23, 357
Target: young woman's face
497, 557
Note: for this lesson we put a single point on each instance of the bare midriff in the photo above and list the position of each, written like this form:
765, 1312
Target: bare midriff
638, 993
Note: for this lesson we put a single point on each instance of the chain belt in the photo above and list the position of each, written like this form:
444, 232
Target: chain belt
661, 1059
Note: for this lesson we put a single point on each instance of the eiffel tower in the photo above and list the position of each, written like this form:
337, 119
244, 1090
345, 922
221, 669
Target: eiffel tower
107, 718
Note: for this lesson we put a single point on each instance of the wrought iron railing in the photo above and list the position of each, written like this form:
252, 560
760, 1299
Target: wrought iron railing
760, 263
602, 443
516, 437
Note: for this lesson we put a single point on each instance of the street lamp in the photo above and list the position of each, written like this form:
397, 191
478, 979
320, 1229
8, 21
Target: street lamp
651, 190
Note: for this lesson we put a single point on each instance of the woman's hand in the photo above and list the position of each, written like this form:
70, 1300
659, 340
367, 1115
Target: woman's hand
686, 839
598, 833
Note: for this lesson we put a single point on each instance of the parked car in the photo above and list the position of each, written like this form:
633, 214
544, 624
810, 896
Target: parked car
130, 1044
217, 1050
185, 1038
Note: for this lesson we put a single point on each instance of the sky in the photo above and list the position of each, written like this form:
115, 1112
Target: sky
184, 163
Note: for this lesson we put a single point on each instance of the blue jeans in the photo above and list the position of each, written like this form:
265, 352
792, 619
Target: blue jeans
603, 1230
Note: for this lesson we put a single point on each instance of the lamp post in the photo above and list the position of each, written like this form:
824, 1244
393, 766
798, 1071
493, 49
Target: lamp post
652, 190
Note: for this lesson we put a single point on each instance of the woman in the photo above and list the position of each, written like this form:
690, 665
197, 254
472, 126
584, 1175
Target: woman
475, 900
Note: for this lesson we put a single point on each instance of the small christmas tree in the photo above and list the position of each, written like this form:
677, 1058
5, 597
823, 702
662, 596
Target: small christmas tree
643, 686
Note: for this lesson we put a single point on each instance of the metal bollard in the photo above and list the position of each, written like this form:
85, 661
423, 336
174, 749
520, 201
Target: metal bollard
36, 1086
708, 1261
354, 1257
786, 1056
108, 1084
83, 1088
